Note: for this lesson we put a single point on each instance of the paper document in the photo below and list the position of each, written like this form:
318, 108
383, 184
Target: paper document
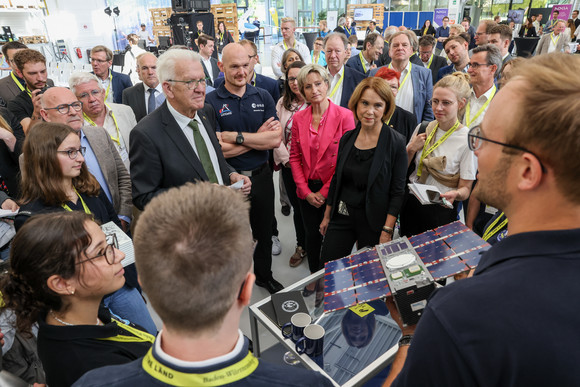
428, 194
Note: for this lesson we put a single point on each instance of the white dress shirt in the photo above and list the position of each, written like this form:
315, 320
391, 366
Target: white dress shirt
183, 122
208, 66
278, 51
475, 104
105, 85
336, 97
405, 96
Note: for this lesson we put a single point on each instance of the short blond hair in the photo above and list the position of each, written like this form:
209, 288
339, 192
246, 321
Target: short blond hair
193, 249
549, 104
457, 27
288, 20
312, 68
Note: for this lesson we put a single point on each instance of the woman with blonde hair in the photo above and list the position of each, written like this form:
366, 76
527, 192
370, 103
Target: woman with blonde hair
440, 157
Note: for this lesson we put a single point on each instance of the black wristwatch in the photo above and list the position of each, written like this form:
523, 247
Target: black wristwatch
405, 340
240, 138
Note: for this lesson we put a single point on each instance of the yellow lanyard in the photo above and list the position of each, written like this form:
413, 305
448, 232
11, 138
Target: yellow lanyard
491, 231
362, 61
406, 76
286, 47
468, 119
430, 60
138, 335
554, 41
425, 31
17, 81
87, 211
109, 85
333, 92
227, 375
254, 80
313, 61
427, 151
92, 123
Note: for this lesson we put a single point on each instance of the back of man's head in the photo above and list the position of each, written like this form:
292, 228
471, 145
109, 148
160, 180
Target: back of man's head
552, 123
504, 31
193, 249
12, 46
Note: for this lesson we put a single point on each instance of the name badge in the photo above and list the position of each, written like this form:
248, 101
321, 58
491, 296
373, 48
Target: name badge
123, 153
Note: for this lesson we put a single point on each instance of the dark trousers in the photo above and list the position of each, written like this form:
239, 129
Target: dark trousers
261, 218
417, 218
312, 217
290, 186
343, 231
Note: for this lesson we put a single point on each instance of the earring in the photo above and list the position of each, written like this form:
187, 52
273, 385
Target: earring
72, 292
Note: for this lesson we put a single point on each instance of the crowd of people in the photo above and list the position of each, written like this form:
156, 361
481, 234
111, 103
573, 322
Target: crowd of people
348, 134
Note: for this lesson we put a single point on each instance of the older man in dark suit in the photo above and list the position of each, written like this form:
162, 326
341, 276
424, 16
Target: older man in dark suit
428, 59
148, 95
177, 143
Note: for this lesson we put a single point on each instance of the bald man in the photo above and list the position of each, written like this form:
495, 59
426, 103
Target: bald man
147, 95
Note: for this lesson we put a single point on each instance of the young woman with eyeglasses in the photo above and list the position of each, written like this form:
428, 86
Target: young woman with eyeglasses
61, 266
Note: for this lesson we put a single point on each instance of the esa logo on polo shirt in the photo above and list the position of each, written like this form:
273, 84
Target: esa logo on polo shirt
225, 110
258, 107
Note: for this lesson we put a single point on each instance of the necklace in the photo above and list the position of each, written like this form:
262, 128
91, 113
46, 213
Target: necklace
66, 323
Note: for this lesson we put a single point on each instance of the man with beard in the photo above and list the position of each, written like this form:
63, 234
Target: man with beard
522, 298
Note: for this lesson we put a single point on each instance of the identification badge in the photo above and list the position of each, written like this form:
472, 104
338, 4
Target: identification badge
490, 210
123, 153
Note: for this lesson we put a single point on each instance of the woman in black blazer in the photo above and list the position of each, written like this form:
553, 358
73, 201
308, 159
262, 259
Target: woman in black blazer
223, 37
528, 30
12, 138
427, 29
368, 187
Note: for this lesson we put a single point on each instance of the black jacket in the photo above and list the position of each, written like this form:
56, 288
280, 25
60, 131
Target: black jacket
9, 167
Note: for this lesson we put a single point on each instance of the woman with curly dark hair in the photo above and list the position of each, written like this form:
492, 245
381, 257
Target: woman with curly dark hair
61, 266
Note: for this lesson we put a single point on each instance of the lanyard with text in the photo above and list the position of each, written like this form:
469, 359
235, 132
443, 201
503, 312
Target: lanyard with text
286, 47
138, 336
430, 60
20, 86
468, 119
85, 207
492, 229
92, 123
227, 375
406, 76
333, 92
427, 151
555, 41
109, 85
362, 62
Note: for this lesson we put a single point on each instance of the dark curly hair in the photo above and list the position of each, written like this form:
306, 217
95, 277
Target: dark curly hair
46, 245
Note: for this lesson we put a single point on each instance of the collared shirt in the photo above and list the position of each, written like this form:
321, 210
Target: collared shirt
366, 62
475, 104
337, 96
159, 96
405, 98
183, 122
505, 56
122, 145
93, 165
208, 67
105, 85
278, 51
553, 38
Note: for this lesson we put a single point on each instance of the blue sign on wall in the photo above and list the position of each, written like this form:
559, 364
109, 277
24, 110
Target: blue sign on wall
411, 20
396, 19
425, 16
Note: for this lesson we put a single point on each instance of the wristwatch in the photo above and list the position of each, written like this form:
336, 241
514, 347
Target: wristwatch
388, 230
405, 340
240, 138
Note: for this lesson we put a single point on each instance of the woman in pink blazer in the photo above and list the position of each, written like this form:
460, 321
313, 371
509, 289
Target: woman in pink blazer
316, 132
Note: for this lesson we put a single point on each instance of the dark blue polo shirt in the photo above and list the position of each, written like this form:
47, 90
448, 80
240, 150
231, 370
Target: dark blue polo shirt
441, 32
514, 323
244, 114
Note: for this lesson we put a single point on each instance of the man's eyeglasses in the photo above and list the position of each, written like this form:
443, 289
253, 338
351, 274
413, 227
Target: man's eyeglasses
65, 108
94, 93
98, 61
475, 140
73, 153
476, 65
191, 84
109, 251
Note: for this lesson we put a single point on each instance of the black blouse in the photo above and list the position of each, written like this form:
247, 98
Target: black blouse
355, 176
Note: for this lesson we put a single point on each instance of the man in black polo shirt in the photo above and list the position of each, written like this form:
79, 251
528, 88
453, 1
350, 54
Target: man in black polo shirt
246, 117
31, 66
515, 322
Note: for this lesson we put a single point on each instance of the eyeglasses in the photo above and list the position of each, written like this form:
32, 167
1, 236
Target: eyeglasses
93, 93
475, 140
98, 61
109, 253
191, 84
292, 79
65, 108
476, 65
73, 153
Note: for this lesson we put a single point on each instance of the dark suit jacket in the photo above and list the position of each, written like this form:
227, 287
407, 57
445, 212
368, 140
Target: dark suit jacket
162, 158
387, 176
133, 97
415, 59
263, 82
531, 32
355, 63
444, 71
215, 71
119, 83
403, 122
437, 63
351, 80
9, 166
8, 89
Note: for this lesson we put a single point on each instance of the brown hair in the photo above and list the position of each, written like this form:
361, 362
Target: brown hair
288, 96
28, 56
512, 63
201, 235
15, 45
381, 87
203, 39
41, 171
246, 42
544, 80
133, 38
461, 39
286, 54
106, 50
46, 245
504, 31
372, 39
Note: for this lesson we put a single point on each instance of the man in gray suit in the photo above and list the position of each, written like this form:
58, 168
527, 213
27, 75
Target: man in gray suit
118, 120
210, 66
11, 85
101, 156
148, 95
501, 36
556, 41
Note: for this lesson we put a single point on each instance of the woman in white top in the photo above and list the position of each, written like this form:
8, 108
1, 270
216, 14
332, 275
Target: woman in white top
441, 158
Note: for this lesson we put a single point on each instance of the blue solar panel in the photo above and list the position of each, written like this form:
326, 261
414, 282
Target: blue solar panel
447, 268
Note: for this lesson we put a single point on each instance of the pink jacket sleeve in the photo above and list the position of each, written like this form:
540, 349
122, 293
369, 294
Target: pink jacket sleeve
297, 161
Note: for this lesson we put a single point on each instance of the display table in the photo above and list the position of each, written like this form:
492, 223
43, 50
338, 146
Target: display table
357, 345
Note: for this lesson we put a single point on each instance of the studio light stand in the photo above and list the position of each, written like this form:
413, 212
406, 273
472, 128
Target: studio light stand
109, 12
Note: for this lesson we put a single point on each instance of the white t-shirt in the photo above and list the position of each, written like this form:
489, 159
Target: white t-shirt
459, 158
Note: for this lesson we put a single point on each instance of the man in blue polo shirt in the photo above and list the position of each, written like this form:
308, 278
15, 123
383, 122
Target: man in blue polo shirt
515, 322
246, 117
